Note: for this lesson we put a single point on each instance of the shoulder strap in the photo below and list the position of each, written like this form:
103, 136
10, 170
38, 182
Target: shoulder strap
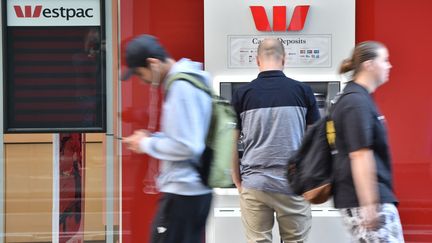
191, 79
200, 85
330, 128
335, 100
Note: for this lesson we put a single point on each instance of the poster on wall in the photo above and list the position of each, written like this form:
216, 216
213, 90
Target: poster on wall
300, 50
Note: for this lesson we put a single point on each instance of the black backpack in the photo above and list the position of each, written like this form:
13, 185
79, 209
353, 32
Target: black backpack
310, 168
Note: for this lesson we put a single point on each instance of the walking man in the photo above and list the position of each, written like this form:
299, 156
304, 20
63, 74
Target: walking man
185, 202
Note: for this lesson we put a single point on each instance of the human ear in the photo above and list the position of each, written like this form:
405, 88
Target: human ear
153, 62
368, 65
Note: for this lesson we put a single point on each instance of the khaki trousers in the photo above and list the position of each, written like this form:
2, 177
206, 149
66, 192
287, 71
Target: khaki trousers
258, 208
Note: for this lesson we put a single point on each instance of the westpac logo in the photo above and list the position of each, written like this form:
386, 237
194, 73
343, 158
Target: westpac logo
65, 13
297, 21
28, 11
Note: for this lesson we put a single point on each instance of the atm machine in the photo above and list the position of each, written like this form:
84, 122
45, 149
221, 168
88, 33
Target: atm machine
324, 91
224, 223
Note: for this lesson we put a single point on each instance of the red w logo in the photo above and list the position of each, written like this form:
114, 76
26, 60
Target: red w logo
262, 23
27, 10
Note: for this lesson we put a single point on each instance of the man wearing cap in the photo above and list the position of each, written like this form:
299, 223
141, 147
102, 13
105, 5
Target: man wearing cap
185, 119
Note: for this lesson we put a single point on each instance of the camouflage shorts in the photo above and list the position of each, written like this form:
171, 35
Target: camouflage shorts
389, 229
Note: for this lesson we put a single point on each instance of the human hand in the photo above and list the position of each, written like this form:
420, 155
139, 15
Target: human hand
370, 216
236, 178
132, 142
238, 185
239, 189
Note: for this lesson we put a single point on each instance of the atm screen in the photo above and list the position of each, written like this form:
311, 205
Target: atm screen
227, 89
324, 91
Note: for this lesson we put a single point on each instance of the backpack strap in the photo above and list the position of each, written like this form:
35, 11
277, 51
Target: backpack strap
335, 100
190, 79
207, 153
330, 128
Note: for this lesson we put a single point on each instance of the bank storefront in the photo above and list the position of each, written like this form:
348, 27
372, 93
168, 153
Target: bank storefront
65, 175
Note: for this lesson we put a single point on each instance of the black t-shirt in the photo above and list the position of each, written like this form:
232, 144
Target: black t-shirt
359, 125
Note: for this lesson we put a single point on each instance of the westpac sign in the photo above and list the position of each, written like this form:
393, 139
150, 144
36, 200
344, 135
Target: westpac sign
262, 22
317, 34
53, 13
56, 13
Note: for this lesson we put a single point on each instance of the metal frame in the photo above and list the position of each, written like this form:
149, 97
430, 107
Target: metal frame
110, 141
2, 155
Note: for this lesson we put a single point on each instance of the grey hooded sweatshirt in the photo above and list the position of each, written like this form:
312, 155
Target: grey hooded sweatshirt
185, 120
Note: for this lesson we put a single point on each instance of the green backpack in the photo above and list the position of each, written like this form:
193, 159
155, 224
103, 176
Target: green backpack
215, 163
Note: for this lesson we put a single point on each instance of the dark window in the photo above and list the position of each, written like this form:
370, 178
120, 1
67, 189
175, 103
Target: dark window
54, 79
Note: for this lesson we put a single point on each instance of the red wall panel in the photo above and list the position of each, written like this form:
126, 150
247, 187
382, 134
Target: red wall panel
180, 27
406, 102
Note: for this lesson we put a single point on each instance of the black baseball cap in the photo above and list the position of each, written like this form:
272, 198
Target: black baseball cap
139, 49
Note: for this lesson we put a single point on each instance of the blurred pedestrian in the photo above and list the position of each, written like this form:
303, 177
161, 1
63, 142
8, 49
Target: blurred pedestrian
363, 186
185, 120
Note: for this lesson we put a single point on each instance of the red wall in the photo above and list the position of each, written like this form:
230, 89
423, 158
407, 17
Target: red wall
404, 26
180, 27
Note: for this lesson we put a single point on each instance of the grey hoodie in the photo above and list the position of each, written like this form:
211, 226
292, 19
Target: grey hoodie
185, 121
